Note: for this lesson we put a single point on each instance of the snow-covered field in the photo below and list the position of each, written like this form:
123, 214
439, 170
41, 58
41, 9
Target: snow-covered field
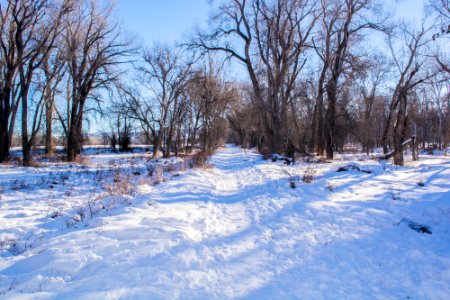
244, 228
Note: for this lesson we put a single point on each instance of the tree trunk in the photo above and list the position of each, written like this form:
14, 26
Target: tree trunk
414, 149
74, 139
156, 146
4, 138
320, 147
5, 109
276, 140
399, 130
330, 118
168, 144
26, 147
49, 129
319, 126
387, 126
71, 151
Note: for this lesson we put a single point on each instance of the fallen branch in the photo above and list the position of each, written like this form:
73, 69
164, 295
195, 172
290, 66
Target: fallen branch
391, 153
353, 167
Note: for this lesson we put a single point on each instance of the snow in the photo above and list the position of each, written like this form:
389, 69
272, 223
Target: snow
234, 230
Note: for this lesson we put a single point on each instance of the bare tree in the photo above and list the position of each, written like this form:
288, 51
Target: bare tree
368, 82
93, 49
165, 73
441, 8
35, 39
53, 71
405, 47
323, 47
212, 96
29, 31
440, 98
9, 102
347, 26
269, 38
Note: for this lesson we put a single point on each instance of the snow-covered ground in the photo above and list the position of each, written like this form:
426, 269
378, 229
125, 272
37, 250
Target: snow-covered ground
236, 230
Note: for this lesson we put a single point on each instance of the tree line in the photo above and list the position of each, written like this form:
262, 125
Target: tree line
316, 76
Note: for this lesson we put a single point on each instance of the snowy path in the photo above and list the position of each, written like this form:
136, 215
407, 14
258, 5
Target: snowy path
238, 230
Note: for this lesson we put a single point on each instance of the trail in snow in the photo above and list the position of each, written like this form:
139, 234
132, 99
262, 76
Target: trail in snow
237, 230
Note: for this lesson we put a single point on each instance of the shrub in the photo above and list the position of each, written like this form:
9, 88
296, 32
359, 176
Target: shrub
121, 185
309, 174
81, 160
200, 159
265, 152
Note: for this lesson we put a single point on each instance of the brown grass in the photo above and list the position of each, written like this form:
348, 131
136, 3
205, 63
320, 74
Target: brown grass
266, 153
82, 160
200, 159
121, 185
309, 174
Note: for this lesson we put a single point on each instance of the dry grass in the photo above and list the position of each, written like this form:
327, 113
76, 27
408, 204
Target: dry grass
309, 174
122, 184
322, 160
157, 175
82, 160
266, 153
200, 159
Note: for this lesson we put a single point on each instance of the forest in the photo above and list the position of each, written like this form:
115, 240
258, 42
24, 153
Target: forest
312, 80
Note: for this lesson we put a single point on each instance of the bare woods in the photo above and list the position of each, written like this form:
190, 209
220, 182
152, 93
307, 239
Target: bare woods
314, 76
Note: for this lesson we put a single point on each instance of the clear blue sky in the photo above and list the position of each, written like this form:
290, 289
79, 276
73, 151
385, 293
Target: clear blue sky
171, 20
161, 20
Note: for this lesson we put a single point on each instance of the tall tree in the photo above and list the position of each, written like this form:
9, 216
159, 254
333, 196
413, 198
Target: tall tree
9, 103
212, 96
93, 49
270, 39
166, 73
53, 70
353, 19
405, 45
34, 39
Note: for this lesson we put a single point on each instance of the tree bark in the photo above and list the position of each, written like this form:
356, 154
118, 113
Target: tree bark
4, 124
49, 128
399, 130
331, 117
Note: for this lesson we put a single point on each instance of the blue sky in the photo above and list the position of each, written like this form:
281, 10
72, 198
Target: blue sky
171, 20
161, 20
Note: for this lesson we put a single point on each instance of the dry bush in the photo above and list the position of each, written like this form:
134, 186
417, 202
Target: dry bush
13, 161
322, 160
8, 244
158, 174
32, 164
266, 153
183, 166
56, 158
121, 185
309, 174
170, 168
82, 160
15, 246
200, 159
